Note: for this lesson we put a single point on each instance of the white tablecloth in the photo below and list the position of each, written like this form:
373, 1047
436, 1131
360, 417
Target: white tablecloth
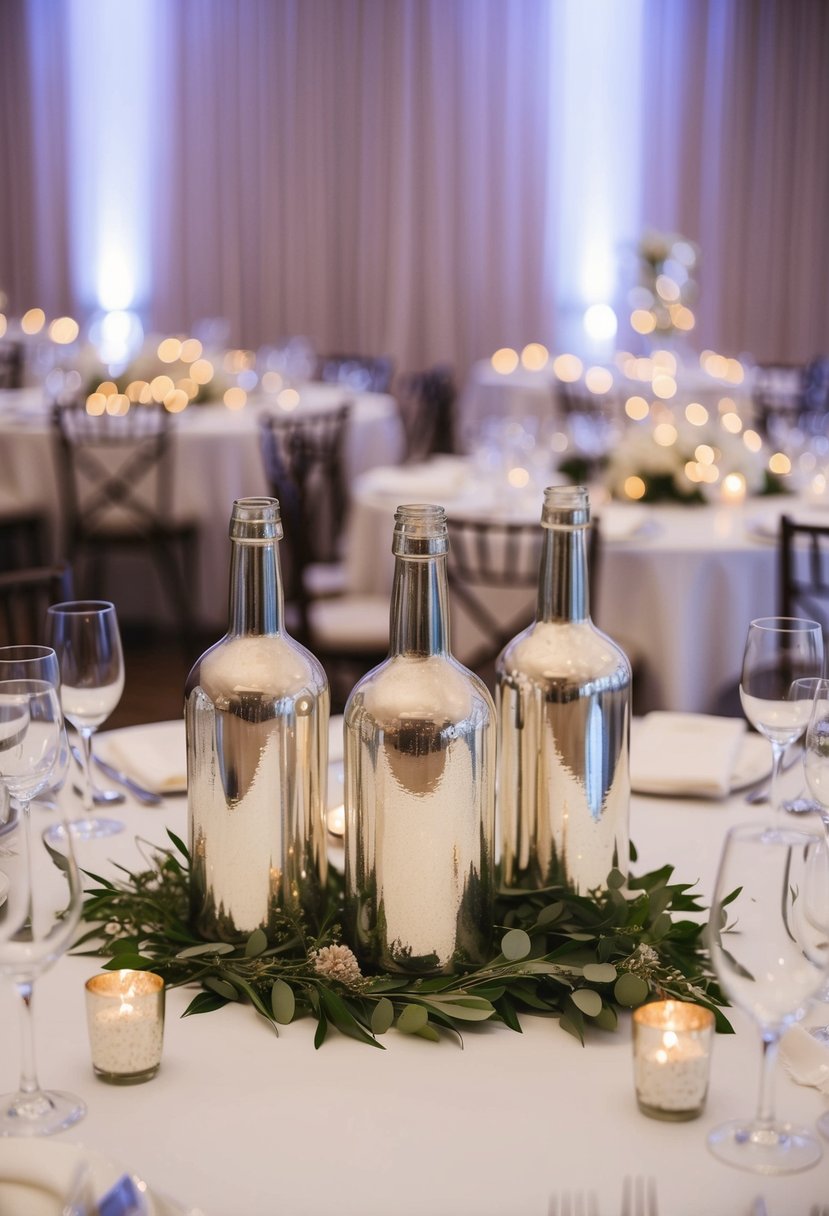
216, 459
680, 584
239, 1121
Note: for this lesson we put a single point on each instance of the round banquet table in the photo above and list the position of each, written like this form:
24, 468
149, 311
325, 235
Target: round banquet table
216, 459
241, 1121
677, 584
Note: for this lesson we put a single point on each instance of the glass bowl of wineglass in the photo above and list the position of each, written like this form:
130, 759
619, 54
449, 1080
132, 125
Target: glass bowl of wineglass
40, 888
771, 955
779, 650
87, 640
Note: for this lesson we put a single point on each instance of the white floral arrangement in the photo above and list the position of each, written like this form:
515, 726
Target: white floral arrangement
667, 288
674, 461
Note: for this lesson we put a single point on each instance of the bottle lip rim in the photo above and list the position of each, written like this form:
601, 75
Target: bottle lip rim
256, 519
420, 530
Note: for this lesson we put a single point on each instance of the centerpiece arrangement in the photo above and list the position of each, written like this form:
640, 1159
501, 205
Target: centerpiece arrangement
417, 934
578, 958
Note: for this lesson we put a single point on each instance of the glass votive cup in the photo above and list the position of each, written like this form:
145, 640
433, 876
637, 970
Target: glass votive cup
125, 1018
671, 1058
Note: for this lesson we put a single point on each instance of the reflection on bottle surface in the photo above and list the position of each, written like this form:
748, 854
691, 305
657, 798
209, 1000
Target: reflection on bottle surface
419, 764
256, 714
563, 691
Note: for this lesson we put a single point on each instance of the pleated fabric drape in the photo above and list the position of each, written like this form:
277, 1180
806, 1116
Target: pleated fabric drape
381, 175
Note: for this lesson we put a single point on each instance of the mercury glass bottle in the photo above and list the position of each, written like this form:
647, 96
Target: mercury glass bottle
256, 715
563, 697
419, 774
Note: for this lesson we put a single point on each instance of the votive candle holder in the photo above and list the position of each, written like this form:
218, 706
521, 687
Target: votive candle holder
125, 1018
671, 1058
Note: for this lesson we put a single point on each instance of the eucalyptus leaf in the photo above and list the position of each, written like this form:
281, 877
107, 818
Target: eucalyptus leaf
549, 913
256, 943
205, 948
587, 1000
283, 1002
616, 879
516, 944
382, 1016
608, 1019
630, 990
412, 1019
599, 973
222, 987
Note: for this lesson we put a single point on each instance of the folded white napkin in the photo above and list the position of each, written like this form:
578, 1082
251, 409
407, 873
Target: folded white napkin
155, 755
806, 1059
692, 754
433, 481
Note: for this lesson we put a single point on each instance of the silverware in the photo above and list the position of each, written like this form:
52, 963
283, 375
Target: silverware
573, 1203
100, 796
138, 791
639, 1197
759, 792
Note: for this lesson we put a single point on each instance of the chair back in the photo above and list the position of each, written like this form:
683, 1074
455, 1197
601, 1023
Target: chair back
487, 557
116, 476
11, 364
360, 373
803, 569
427, 402
23, 542
24, 597
303, 460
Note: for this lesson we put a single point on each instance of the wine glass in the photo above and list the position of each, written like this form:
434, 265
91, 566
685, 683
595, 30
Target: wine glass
778, 651
35, 663
87, 641
40, 888
816, 768
41, 909
771, 956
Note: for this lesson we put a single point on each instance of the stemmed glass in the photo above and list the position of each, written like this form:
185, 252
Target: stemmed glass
816, 768
771, 955
33, 663
40, 888
87, 641
778, 651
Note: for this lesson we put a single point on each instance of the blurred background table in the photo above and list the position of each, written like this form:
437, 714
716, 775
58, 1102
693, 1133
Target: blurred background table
216, 457
678, 583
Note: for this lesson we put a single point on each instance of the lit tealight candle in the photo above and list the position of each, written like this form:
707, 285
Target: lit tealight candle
336, 821
671, 1054
125, 1017
733, 488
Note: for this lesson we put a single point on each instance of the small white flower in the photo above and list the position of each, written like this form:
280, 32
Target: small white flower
337, 963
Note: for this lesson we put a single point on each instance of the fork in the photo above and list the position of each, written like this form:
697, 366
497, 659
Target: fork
639, 1197
573, 1203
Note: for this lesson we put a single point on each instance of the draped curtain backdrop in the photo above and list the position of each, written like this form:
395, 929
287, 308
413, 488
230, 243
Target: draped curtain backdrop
388, 176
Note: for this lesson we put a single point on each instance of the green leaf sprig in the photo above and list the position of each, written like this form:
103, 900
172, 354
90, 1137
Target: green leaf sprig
576, 958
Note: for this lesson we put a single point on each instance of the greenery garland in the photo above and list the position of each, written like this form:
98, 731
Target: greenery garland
572, 957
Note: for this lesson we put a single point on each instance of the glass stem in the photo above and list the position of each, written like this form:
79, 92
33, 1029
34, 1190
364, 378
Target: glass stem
86, 763
765, 1106
28, 1071
778, 750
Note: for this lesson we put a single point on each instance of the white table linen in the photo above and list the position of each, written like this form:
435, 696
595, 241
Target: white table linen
240, 1121
680, 584
216, 458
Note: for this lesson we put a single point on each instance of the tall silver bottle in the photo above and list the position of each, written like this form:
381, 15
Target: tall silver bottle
419, 779
256, 716
563, 697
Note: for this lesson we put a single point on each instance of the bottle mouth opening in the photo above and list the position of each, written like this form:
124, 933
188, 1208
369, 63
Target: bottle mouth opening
420, 530
256, 519
566, 507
